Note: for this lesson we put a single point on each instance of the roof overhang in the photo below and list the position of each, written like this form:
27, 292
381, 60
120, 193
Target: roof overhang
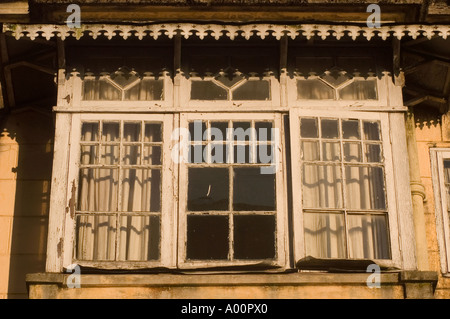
217, 31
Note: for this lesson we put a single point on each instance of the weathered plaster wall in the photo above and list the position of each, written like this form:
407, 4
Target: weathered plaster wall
432, 133
26, 149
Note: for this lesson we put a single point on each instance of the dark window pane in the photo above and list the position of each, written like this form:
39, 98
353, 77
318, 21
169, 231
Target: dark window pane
208, 189
229, 79
124, 78
152, 155
253, 190
207, 90
335, 78
131, 155
373, 153
219, 153
197, 154
329, 128
308, 128
371, 131
242, 131
207, 237
263, 131
197, 130
265, 154
254, 237
350, 129
253, 90
218, 131
242, 154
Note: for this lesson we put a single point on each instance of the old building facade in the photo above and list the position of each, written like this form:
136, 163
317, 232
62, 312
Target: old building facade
224, 149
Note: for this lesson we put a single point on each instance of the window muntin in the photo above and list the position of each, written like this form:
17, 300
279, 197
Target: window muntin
118, 215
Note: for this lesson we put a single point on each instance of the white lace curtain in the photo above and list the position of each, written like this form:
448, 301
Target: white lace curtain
138, 237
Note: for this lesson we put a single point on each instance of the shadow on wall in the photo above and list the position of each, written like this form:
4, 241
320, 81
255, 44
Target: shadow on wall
28, 214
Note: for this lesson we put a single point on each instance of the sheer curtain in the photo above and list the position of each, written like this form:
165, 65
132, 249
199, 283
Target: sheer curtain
99, 189
327, 225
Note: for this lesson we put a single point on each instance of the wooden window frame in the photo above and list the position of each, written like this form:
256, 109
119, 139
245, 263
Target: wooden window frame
390, 184
281, 259
437, 156
167, 249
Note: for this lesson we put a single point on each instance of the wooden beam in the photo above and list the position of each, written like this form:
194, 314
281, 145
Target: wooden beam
4, 59
399, 76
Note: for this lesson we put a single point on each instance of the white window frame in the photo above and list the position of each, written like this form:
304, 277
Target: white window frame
391, 201
281, 195
167, 213
437, 156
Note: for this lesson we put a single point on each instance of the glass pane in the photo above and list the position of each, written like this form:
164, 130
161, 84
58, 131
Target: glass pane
95, 237
109, 154
252, 90
146, 90
314, 89
89, 132
447, 171
207, 90
242, 131
197, 154
365, 187
139, 238
331, 151
141, 190
263, 131
350, 129
132, 132
330, 128
207, 237
265, 154
131, 155
373, 153
152, 155
219, 153
253, 190
254, 236
229, 79
308, 128
322, 186
208, 189
324, 235
98, 190
110, 132
242, 154
371, 131
335, 78
310, 151
197, 129
218, 131
152, 132
124, 78
359, 90
368, 236
352, 152
88, 154
95, 90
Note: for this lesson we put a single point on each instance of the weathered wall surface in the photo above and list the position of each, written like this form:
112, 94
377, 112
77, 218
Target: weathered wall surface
432, 133
26, 149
